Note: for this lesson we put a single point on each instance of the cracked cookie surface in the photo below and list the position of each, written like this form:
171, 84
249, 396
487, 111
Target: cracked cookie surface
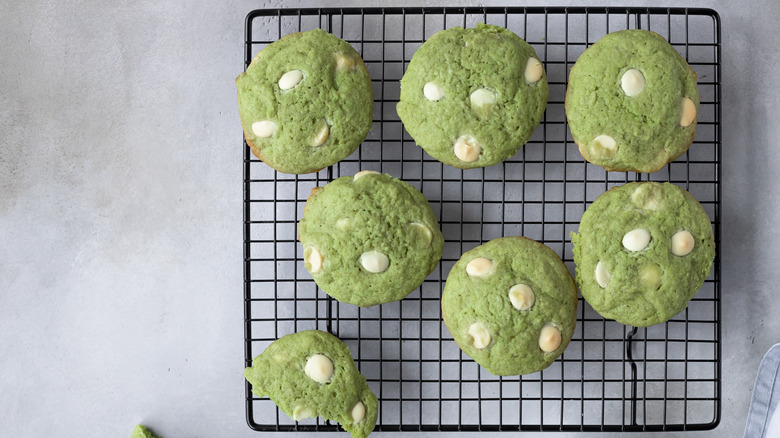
643, 251
632, 102
310, 374
511, 305
473, 97
305, 101
369, 238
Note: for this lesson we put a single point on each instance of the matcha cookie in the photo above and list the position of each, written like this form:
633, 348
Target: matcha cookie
369, 239
310, 374
141, 431
472, 97
642, 252
632, 102
510, 304
305, 102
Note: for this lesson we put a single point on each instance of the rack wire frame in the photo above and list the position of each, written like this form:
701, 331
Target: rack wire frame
611, 377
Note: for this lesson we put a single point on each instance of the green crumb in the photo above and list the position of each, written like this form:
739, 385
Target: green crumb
141, 431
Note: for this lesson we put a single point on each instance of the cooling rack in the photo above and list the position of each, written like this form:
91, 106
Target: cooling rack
611, 377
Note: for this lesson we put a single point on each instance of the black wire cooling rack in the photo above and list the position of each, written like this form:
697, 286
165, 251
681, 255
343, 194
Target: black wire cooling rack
611, 377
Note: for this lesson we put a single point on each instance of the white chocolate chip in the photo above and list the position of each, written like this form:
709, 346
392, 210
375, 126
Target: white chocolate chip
312, 257
602, 275
688, 114
650, 276
646, 196
363, 173
480, 336
522, 296
604, 145
264, 128
682, 243
358, 412
533, 70
549, 338
301, 412
636, 240
319, 368
290, 79
433, 92
467, 149
374, 261
342, 223
321, 136
479, 267
482, 100
632, 82
423, 231
344, 62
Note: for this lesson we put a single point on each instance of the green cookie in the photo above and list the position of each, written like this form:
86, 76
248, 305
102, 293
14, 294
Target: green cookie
472, 97
141, 431
642, 252
310, 374
369, 239
632, 102
305, 102
510, 304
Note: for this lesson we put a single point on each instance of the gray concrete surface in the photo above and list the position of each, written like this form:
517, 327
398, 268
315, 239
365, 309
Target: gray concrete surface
120, 214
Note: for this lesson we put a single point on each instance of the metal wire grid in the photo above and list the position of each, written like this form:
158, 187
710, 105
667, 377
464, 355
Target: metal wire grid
611, 377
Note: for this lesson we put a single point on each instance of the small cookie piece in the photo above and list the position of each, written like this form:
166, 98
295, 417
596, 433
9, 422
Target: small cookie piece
305, 102
632, 102
369, 238
310, 374
141, 431
473, 97
642, 252
510, 304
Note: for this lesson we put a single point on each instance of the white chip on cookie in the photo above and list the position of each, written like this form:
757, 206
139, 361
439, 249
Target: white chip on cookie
688, 114
522, 296
342, 224
646, 196
604, 145
549, 338
290, 79
363, 173
602, 275
480, 336
479, 267
264, 128
432, 91
313, 258
319, 368
300, 412
482, 99
467, 149
636, 240
374, 261
533, 70
423, 231
358, 412
682, 243
650, 276
321, 136
344, 62
632, 82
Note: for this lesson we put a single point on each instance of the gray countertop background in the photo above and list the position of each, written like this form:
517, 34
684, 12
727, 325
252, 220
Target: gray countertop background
120, 213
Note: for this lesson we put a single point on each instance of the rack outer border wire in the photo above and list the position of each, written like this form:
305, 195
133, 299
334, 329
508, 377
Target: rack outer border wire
633, 400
